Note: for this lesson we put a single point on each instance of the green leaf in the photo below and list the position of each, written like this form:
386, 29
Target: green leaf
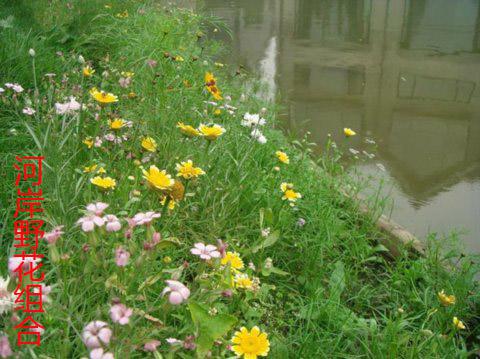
380, 248
209, 328
168, 242
337, 281
278, 271
269, 241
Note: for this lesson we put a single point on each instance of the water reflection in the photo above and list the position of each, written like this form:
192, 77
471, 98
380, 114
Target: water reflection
405, 73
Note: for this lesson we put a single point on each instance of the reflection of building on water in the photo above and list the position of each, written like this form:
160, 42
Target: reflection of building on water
405, 72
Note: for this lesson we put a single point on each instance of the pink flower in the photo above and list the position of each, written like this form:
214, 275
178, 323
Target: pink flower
15, 87
5, 350
98, 353
145, 218
151, 63
121, 257
120, 314
67, 108
151, 345
89, 222
28, 111
52, 236
222, 247
97, 208
98, 142
178, 292
125, 81
112, 223
189, 343
205, 252
149, 245
95, 334
15, 262
46, 289
156, 238
92, 219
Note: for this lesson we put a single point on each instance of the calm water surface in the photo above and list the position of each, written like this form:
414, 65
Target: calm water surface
405, 74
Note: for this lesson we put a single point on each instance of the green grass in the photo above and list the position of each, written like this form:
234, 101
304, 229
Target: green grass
334, 292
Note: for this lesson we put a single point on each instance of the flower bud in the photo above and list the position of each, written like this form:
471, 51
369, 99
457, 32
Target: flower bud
31, 52
81, 59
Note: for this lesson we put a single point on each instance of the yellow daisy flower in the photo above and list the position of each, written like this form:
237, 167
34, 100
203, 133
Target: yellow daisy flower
103, 97
179, 58
122, 15
215, 91
158, 179
282, 157
117, 123
288, 192
105, 183
458, 323
89, 169
211, 132
234, 260
243, 281
127, 74
188, 171
210, 79
188, 130
217, 112
149, 144
445, 299
101, 170
250, 344
171, 204
88, 71
88, 142
349, 132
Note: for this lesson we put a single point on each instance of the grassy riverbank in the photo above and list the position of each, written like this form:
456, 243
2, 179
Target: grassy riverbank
314, 276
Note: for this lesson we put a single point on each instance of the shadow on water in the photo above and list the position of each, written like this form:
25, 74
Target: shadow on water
404, 73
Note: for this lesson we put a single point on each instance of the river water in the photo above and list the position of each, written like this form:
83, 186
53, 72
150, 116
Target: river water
404, 74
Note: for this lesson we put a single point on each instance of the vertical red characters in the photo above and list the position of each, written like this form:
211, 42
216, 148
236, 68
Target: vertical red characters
27, 266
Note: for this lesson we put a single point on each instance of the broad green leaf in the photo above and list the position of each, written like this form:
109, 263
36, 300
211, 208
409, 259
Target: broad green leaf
209, 327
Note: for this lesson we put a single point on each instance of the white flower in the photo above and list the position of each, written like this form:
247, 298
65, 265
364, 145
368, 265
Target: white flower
67, 108
2, 90
265, 232
31, 52
81, 59
6, 298
205, 252
173, 341
28, 111
258, 135
252, 120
